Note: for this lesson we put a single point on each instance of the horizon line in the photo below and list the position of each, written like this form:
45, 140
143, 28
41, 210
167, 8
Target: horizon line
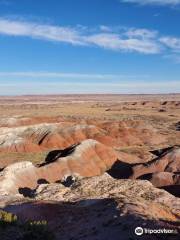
72, 94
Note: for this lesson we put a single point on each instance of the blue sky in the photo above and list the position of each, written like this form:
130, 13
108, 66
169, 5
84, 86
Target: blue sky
89, 46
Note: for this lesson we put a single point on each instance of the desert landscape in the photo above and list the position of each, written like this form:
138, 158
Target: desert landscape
90, 167
89, 120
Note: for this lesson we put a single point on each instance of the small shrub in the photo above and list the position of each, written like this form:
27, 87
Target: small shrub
33, 230
37, 230
7, 219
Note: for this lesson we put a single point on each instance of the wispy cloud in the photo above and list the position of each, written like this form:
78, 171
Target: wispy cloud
141, 33
172, 43
19, 88
122, 39
154, 2
61, 75
112, 41
41, 31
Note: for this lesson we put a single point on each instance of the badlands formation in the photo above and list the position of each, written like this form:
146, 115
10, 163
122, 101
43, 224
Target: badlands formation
94, 167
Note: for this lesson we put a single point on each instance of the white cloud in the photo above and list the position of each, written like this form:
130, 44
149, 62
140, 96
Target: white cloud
80, 36
114, 42
34, 30
141, 33
171, 42
105, 28
122, 39
61, 75
154, 2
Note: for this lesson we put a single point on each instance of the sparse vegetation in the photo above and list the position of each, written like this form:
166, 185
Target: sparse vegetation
7, 218
13, 157
33, 230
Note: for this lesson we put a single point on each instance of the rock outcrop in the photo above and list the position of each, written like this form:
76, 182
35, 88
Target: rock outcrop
101, 208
